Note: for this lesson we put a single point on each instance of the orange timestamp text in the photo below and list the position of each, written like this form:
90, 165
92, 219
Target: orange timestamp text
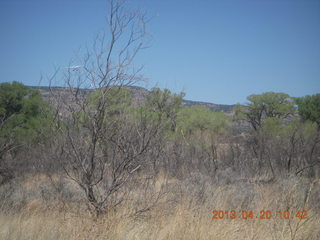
263, 214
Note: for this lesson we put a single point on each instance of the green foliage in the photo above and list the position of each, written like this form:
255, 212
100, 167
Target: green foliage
103, 107
309, 108
23, 113
164, 106
272, 104
240, 112
113, 100
163, 101
275, 128
200, 118
267, 105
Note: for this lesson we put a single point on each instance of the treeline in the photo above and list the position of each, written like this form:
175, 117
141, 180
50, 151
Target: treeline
105, 144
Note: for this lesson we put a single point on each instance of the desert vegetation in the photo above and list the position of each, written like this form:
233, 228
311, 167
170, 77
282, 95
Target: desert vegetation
99, 164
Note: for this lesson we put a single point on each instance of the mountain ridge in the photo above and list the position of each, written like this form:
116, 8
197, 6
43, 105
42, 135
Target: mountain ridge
139, 94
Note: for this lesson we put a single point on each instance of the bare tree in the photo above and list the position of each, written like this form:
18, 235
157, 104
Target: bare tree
103, 142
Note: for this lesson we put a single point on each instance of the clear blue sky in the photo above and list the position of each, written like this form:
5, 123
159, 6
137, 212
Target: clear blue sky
218, 51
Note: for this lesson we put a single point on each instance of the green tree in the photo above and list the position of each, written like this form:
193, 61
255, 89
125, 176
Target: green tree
164, 106
200, 118
267, 113
23, 113
266, 105
309, 108
24, 116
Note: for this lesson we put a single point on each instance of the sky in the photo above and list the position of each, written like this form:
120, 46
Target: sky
218, 51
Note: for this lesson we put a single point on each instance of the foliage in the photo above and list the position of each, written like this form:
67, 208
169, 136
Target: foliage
23, 113
309, 108
275, 128
266, 105
113, 99
200, 118
24, 121
102, 107
164, 106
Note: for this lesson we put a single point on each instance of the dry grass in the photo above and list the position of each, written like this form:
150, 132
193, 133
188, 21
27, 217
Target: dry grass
184, 213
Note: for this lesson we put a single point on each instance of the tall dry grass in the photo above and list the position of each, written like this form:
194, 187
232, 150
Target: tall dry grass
183, 212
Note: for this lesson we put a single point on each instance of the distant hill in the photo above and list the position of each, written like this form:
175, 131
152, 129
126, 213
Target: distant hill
138, 95
214, 107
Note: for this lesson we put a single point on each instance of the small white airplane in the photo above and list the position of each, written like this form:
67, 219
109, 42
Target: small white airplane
74, 67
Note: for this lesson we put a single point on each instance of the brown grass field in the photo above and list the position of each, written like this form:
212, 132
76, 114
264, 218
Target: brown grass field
183, 212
